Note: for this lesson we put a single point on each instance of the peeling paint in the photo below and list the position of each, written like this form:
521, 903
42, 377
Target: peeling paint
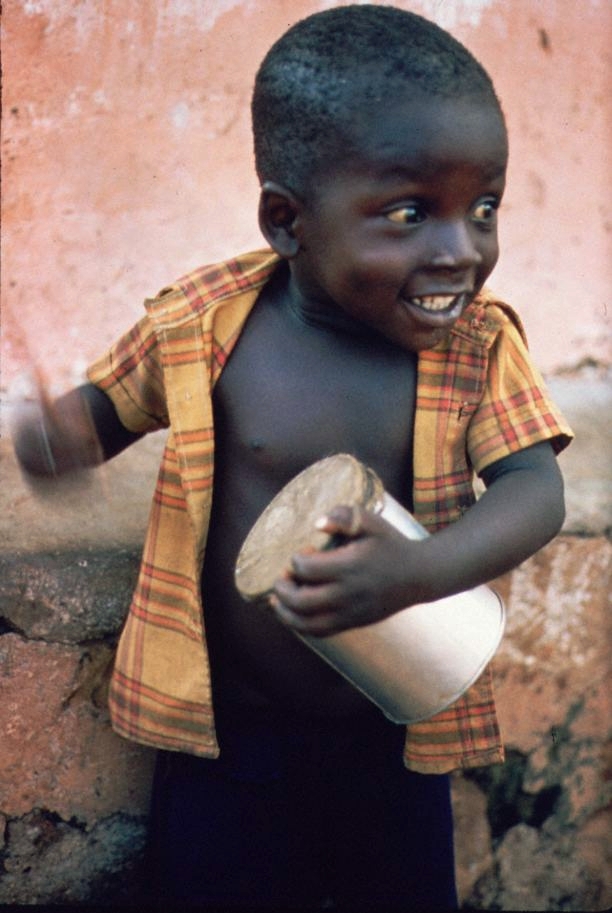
551, 601
180, 115
33, 7
450, 14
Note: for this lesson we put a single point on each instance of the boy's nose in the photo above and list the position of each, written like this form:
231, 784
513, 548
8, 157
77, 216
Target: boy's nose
453, 247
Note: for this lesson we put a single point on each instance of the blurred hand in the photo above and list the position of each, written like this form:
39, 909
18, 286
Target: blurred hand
54, 438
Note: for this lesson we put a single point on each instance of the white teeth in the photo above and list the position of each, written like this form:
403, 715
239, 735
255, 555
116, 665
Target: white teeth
434, 302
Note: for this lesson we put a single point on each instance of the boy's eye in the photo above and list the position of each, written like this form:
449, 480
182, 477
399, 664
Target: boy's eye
484, 212
412, 214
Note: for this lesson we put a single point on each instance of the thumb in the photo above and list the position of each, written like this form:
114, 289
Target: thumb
343, 520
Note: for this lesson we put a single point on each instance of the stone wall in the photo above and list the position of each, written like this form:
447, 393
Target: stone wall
73, 795
535, 833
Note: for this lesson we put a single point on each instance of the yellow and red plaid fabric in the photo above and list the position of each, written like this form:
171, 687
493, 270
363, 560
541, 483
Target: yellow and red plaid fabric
478, 399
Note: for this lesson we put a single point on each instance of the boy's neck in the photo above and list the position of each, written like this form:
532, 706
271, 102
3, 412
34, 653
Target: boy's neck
314, 312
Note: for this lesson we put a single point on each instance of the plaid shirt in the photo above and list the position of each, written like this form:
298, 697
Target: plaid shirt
478, 399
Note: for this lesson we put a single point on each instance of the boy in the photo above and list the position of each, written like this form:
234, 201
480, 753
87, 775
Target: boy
381, 149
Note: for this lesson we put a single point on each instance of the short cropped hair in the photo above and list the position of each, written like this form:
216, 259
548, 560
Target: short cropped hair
332, 64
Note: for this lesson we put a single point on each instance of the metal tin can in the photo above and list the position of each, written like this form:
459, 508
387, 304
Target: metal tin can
412, 664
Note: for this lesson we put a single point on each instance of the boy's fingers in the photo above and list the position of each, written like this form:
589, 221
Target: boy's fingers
315, 625
311, 599
343, 520
348, 527
328, 566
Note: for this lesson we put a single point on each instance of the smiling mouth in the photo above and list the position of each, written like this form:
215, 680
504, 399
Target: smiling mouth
434, 304
437, 311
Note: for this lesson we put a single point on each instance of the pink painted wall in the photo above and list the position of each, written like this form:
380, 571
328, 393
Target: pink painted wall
127, 161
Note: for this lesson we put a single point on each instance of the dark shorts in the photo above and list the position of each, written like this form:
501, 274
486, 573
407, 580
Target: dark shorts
301, 814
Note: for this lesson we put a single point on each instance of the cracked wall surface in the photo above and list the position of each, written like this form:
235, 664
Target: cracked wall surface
125, 164
544, 826
47, 860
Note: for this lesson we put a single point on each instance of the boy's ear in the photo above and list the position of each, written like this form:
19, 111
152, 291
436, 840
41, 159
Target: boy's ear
278, 211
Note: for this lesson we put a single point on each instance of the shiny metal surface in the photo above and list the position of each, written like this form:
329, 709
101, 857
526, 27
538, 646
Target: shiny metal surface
419, 660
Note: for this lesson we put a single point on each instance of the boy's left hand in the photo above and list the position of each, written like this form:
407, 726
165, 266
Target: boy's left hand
372, 573
376, 570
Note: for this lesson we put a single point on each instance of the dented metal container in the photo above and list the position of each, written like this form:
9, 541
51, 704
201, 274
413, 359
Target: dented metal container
412, 664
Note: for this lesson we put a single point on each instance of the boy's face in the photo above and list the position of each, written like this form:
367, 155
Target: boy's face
404, 235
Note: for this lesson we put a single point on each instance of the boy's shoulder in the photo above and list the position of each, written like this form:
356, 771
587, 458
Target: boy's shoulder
198, 291
485, 317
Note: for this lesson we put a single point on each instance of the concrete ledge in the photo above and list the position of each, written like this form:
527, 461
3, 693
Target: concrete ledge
68, 597
585, 397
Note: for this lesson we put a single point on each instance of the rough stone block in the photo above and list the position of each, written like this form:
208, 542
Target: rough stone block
548, 806
585, 397
58, 750
531, 874
50, 861
73, 795
68, 596
473, 845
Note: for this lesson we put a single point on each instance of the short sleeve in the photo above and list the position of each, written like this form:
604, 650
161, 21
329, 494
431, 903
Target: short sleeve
130, 374
516, 410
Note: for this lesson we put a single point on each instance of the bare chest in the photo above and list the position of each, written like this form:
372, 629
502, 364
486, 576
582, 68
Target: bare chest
293, 393
290, 395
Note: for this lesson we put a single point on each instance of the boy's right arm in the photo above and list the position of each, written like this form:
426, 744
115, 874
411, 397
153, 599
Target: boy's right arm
78, 430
